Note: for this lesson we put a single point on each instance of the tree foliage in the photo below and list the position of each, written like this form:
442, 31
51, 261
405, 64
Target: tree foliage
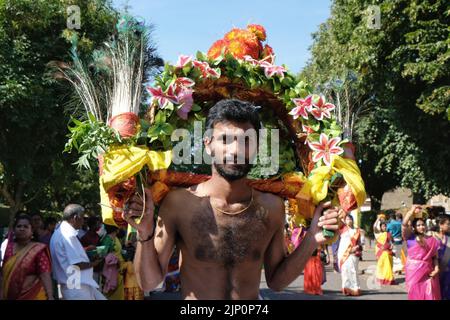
35, 174
403, 72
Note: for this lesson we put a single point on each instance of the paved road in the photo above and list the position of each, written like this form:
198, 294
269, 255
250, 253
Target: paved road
331, 289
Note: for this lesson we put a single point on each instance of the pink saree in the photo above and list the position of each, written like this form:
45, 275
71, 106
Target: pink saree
419, 265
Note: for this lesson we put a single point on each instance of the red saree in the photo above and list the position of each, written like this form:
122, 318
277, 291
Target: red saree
21, 272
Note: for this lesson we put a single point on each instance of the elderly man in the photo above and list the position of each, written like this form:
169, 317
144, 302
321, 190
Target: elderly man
71, 266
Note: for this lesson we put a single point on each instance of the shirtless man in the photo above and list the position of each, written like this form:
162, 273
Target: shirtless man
225, 229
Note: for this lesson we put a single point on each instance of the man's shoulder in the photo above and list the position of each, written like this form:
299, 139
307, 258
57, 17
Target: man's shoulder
273, 203
175, 197
177, 201
271, 200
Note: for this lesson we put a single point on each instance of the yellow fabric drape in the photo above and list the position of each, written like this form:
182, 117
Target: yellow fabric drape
316, 186
123, 162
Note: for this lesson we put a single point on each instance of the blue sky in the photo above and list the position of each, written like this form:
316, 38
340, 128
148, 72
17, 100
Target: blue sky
185, 26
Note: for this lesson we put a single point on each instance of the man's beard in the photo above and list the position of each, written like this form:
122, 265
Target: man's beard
232, 172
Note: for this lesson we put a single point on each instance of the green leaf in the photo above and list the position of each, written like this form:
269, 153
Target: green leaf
201, 56
160, 117
196, 107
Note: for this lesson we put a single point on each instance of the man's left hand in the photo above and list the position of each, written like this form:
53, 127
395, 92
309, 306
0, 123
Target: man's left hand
328, 220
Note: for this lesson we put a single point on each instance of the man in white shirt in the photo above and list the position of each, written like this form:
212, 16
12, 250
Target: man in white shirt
71, 266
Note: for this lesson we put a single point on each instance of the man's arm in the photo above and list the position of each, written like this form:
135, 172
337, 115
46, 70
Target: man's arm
87, 265
281, 270
152, 256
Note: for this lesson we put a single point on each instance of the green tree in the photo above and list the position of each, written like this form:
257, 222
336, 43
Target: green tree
402, 69
35, 174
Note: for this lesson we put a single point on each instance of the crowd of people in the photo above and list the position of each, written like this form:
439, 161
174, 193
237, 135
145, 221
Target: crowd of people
78, 258
82, 258
417, 246
408, 244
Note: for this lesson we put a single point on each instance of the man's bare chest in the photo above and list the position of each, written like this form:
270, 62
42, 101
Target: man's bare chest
226, 239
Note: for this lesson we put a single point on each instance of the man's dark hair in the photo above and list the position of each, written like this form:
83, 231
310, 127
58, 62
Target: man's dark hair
398, 216
71, 211
233, 110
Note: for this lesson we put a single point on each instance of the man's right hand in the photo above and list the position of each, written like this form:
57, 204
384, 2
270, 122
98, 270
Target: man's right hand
136, 209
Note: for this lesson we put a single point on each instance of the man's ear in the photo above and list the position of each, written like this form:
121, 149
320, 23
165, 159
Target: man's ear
207, 142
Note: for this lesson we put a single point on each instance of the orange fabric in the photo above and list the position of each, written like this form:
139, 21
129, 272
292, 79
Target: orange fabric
313, 276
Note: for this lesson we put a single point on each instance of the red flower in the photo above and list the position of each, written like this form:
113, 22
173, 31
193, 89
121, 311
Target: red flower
218, 47
268, 54
257, 30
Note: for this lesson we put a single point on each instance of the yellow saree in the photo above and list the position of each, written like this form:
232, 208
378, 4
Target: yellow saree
385, 261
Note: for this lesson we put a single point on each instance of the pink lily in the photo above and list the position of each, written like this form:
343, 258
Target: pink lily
303, 106
171, 93
186, 101
271, 70
307, 129
325, 149
262, 63
321, 109
205, 69
184, 82
183, 60
251, 60
213, 72
161, 97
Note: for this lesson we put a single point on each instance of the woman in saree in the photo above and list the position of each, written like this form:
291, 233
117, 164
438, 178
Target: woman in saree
422, 268
26, 265
384, 254
348, 256
114, 250
443, 223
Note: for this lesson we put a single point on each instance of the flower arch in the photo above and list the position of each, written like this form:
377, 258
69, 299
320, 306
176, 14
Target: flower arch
241, 66
132, 151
